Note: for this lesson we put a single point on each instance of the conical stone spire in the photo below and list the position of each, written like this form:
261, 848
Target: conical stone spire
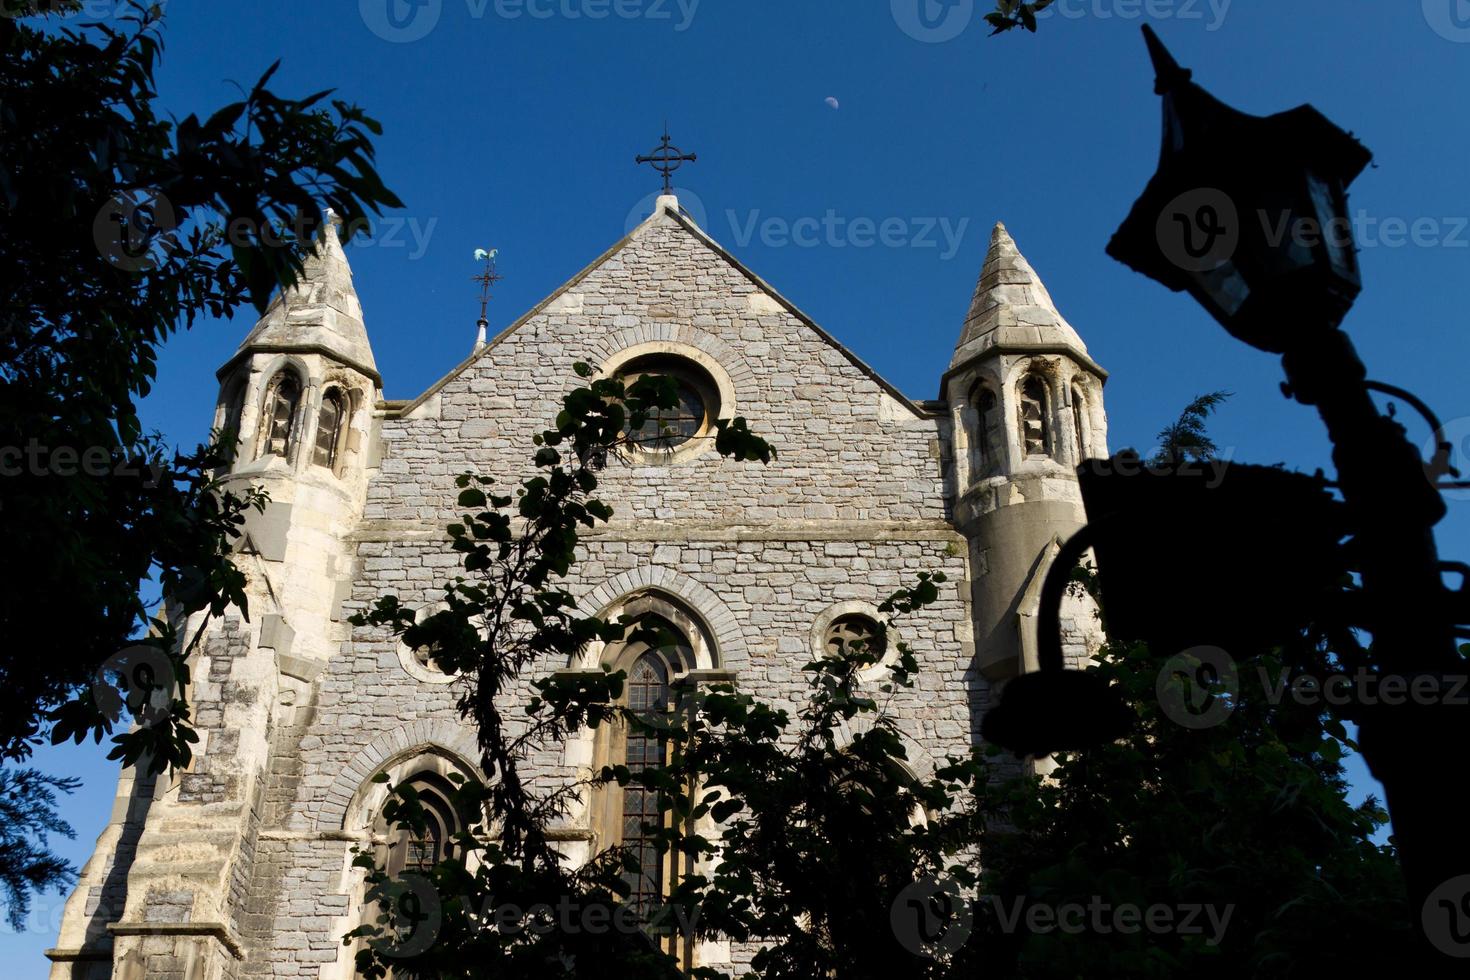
1011, 310
321, 312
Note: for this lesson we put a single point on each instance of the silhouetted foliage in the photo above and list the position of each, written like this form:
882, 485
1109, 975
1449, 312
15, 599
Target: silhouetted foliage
119, 226
1249, 819
818, 830
806, 835
1185, 439
1010, 14
28, 817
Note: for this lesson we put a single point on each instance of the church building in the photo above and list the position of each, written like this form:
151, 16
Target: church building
240, 866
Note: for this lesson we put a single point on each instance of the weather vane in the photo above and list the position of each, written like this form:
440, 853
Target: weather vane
486, 279
666, 159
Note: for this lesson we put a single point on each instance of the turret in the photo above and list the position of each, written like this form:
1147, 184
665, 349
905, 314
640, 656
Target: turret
300, 389
1026, 406
301, 392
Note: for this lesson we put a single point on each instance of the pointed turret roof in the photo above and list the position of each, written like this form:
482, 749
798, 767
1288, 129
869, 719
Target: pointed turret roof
1012, 310
320, 313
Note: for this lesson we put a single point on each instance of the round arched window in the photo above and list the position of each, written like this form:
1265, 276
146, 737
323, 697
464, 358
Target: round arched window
692, 415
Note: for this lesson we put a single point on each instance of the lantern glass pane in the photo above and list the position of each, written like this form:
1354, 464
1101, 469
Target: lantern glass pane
1338, 231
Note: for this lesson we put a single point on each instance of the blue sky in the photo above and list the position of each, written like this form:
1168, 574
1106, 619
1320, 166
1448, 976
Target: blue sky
514, 123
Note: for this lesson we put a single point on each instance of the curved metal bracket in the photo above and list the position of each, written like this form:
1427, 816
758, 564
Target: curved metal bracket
1053, 589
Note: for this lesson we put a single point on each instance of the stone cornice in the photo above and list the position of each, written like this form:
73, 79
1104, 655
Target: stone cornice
214, 930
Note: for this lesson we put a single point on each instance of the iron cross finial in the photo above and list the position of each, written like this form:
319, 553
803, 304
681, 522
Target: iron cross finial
666, 159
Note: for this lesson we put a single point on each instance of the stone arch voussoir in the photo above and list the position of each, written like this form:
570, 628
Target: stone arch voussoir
728, 637
426, 735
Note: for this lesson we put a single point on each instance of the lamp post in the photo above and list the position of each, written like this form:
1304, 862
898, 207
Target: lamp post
1249, 215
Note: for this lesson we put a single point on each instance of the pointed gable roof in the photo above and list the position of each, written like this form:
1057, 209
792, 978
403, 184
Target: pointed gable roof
1012, 310
320, 313
666, 210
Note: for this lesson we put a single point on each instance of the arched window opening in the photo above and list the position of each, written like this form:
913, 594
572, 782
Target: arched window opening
331, 429
234, 411
1036, 438
649, 693
280, 419
412, 852
1079, 427
662, 643
986, 437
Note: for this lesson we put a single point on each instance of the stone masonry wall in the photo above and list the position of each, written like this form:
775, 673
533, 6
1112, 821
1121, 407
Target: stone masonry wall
853, 507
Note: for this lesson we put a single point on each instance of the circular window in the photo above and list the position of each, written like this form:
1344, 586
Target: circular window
845, 632
841, 626
667, 429
418, 662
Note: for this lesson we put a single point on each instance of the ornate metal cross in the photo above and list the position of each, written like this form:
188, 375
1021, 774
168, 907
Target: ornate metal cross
666, 159
487, 278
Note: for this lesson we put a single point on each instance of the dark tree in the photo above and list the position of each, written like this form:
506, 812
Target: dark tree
119, 226
27, 819
1185, 439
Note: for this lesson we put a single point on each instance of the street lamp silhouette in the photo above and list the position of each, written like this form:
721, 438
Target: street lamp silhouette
1247, 213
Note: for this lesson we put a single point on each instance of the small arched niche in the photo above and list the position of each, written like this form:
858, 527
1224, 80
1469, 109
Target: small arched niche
984, 432
280, 417
334, 419
1035, 428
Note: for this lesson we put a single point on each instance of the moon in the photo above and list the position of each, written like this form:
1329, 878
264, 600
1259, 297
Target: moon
832, 102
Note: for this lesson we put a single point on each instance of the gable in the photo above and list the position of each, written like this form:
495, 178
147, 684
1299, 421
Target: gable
850, 447
762, 299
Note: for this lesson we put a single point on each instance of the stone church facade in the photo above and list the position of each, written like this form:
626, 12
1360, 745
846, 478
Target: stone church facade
240, 866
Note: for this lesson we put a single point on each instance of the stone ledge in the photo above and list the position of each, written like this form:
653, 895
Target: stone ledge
214, 930
569, 833
315, 835
77, 955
